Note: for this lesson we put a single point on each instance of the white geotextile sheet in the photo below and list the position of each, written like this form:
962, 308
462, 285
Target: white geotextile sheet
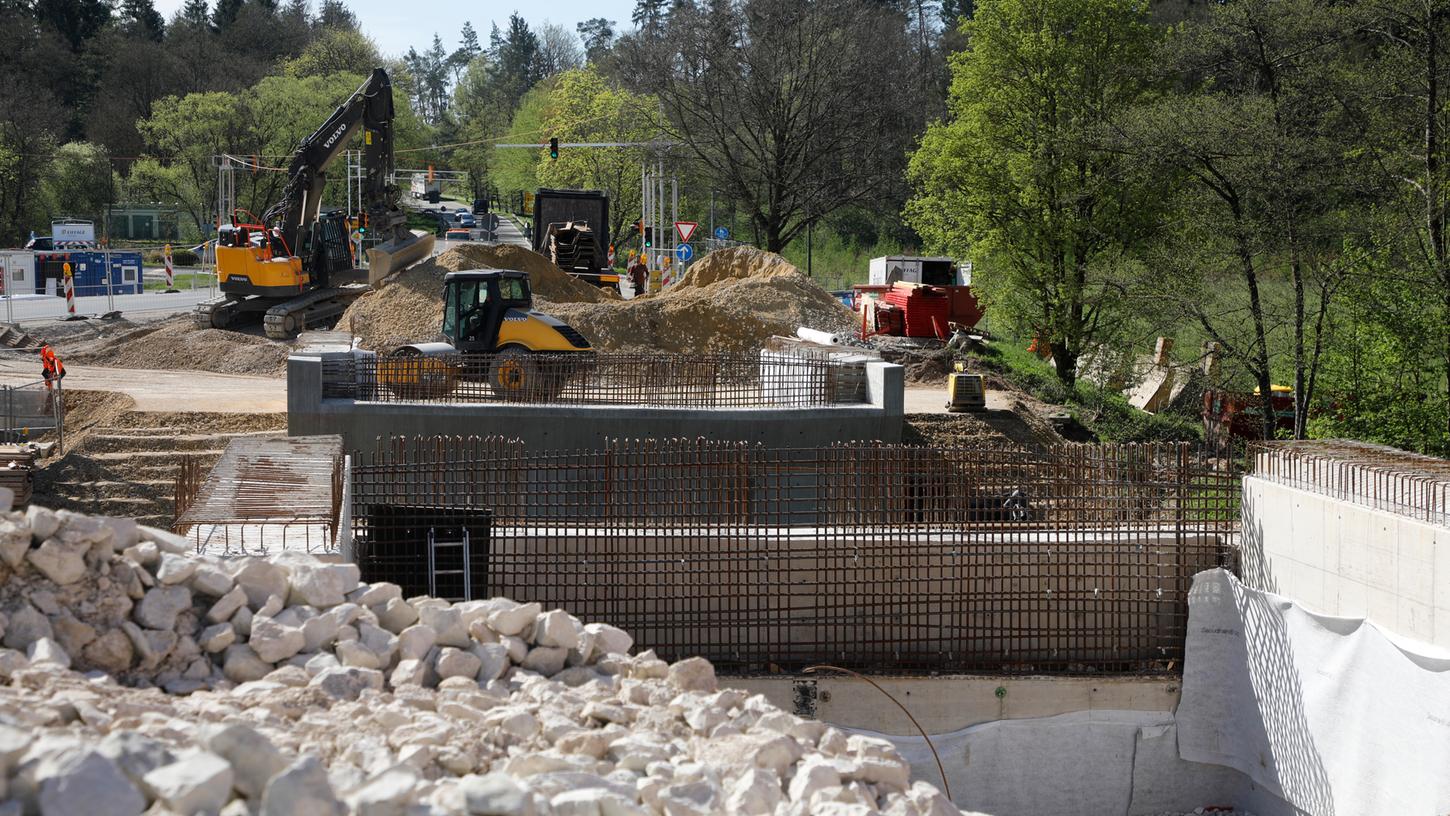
1102, 763
1330, 714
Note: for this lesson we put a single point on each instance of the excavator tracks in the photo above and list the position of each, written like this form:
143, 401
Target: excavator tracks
286, 319
282, 320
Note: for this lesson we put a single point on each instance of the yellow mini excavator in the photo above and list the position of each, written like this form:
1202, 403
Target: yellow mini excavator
293, 265
491, 333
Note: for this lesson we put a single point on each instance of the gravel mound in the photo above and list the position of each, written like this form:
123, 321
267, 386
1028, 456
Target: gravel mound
135, 674
408, 305
731, 300
177, 344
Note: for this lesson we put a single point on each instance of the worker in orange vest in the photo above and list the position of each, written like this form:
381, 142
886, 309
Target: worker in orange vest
51, 368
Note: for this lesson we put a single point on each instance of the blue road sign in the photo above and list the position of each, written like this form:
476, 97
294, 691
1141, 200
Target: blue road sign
722, 233
684, 252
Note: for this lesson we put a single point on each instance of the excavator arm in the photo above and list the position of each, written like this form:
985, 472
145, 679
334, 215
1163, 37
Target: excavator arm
370, 110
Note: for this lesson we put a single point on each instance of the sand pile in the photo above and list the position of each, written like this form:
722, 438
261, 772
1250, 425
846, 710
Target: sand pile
176, 343
731, 300
408, 306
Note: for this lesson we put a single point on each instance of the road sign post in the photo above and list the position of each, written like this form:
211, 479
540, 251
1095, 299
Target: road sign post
684, 252
686, 229
722, 233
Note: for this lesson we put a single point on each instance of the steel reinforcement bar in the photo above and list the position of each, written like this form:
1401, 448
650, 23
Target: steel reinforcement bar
769, 380
876, 557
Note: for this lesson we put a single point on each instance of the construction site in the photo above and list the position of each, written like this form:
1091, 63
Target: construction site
709, 567
372, 522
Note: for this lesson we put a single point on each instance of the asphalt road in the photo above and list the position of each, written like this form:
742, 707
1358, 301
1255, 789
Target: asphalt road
45, 308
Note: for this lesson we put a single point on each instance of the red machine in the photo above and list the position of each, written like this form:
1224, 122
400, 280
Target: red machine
1228, 414
915, 310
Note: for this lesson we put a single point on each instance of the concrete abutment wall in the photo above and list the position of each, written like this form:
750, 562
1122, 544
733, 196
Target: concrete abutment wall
584, 427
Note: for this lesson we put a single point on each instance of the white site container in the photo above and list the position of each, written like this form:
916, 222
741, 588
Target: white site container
17, 272
933, 270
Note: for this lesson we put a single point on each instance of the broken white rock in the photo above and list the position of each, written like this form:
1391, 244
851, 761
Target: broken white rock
609, 639
158, 610
396, 615
199, 783
174, 569
447, 624
211, 581
26, 626
301, 790
61, 561
496, 794
215, 638
555, 628
46, 650
321, 585
227, 605
514, 619
259, 580
14, 542
693, 674
457, 663
83, 781
254, 759
272, 641
347, 682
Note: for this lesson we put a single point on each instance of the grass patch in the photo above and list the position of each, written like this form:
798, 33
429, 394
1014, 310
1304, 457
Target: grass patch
1107, 414
182, 280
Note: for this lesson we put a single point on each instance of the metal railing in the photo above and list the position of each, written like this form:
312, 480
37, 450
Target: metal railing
1395, 481
648, 380
877, 557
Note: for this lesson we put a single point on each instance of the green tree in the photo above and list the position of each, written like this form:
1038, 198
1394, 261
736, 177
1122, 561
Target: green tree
597, 34
1266, 145
1017, 179
335, 50
516, 170
78, 183
583, 107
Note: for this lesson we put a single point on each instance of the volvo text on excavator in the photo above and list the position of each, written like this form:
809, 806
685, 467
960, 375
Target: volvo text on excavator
295, 264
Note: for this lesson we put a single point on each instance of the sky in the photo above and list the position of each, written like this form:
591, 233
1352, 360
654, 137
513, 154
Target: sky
397, 25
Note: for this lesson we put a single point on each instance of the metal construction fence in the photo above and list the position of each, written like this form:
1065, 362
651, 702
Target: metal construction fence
871, 556
1395, 481
30, 410
768, 380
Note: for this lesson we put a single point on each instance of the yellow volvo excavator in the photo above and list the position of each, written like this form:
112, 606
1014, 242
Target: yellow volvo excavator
295, 264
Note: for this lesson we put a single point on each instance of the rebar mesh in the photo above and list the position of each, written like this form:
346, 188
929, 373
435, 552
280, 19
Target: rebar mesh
1396, 481
770, 380
872, 556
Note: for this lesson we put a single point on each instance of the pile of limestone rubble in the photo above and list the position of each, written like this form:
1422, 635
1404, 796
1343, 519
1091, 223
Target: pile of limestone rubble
138, 677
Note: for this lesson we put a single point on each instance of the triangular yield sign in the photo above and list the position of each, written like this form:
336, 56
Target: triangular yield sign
686, 229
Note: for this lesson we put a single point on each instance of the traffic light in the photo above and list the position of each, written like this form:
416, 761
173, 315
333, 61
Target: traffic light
362, 223
649, 237
553, 148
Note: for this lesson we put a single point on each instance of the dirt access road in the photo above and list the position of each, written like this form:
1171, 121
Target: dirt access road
932, 399
167, 391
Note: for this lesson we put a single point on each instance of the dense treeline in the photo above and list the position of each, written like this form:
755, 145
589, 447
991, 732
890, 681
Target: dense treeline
1264, 180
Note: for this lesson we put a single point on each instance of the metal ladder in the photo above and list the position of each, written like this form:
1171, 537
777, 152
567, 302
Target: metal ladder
433, 572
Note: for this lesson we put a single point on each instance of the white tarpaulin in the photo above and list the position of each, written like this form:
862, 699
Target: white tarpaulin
1105, 763
1331, 714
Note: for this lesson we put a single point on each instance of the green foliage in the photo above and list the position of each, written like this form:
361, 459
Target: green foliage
516, 170
584, 107
335, 51
1016, 180
1106, 414
268, 121
836, 262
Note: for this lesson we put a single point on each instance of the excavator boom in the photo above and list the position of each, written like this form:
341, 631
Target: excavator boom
294, 264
